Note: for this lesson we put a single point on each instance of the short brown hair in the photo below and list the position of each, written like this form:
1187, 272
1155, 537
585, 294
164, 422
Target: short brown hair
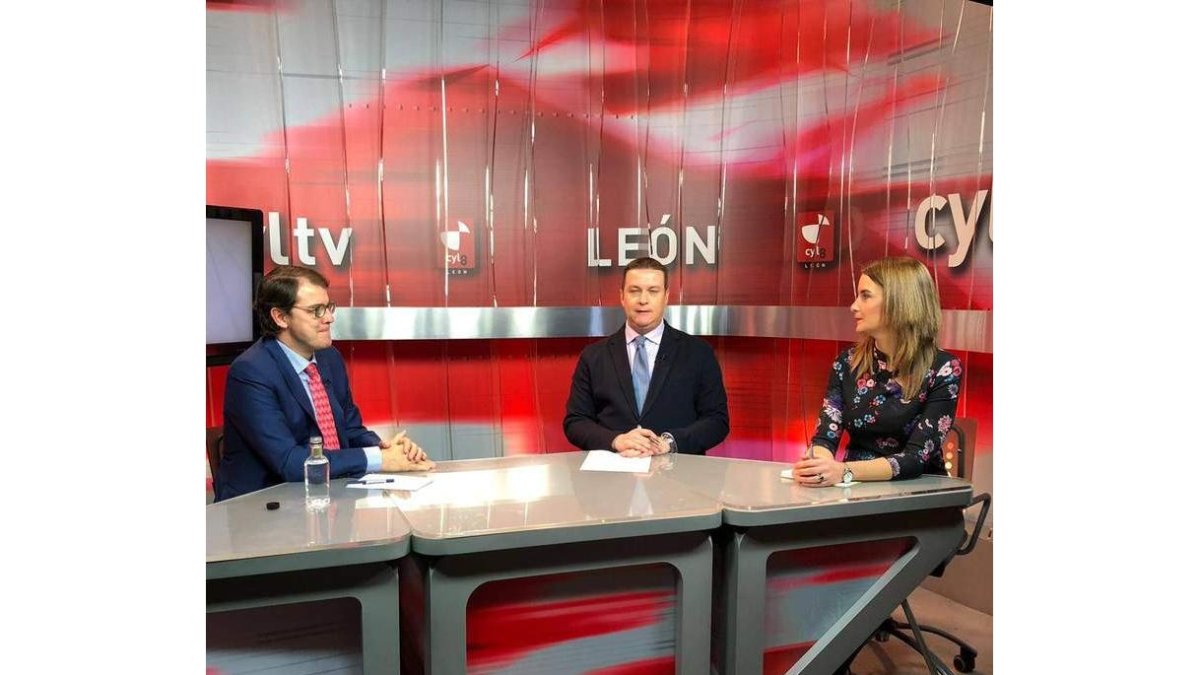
278, 290
645, 263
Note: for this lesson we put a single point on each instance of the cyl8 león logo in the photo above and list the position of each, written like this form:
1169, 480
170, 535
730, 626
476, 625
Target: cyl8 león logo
816, 244
459, 249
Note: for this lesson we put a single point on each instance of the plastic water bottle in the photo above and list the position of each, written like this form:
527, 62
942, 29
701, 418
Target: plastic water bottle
316, 476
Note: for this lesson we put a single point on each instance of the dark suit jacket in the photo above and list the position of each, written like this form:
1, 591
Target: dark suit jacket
269, 419
686, 395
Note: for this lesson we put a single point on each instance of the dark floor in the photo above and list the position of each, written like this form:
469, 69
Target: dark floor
893, 657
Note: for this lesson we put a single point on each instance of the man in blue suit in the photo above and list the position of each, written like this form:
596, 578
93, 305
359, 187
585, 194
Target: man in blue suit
647, 389
289, 386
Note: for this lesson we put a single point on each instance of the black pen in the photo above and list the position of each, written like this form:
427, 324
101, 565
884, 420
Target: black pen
373, 481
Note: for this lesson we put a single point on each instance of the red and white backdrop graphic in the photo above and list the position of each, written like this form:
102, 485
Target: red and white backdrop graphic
609, 622
501, 154
810, 589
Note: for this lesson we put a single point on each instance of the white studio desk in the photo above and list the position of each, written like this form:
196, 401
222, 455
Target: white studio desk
259, 557
806, 575
530, 565
526, 564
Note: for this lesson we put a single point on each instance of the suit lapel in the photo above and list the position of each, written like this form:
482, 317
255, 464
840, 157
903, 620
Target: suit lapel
620, 361
662, 365
291, 379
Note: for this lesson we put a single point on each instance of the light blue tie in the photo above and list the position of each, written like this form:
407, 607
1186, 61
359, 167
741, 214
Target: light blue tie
641, 371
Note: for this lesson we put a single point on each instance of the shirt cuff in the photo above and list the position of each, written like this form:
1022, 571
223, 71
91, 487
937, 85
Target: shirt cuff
374, 458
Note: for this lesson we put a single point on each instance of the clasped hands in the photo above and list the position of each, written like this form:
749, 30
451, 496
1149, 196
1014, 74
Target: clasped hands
639, 442
402, 454
818, 471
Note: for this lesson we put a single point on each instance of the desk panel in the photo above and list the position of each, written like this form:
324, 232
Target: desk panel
806, 575
568, 550
261, 558
537, 500
358, 526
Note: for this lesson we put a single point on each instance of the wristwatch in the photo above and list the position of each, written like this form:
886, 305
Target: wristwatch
670, 441
847, 474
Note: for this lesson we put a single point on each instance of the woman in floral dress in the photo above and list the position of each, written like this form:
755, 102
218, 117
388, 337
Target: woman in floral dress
894, 392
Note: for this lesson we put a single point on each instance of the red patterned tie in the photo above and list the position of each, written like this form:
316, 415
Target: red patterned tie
321, 406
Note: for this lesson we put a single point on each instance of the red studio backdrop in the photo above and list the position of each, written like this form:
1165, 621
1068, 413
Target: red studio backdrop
449, 154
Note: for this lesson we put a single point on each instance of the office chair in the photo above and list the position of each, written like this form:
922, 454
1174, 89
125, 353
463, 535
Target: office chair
964, 661
215, 445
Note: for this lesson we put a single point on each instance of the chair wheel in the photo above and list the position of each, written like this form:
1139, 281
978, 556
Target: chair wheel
964, 664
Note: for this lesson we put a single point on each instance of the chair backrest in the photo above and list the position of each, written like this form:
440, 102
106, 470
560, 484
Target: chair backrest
216, 446
959, 448
959, 452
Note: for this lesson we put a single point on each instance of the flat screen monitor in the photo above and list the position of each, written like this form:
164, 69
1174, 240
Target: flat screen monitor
234, 262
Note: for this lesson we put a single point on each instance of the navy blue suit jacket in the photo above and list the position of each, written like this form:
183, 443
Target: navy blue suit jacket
686, 395
269, 419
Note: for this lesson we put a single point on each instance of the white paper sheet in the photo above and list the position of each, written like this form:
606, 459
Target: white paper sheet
390, 481
603, 460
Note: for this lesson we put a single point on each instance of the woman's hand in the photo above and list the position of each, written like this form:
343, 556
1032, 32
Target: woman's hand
818, 471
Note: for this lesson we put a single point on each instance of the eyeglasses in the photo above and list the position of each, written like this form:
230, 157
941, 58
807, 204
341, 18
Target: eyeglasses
318, 310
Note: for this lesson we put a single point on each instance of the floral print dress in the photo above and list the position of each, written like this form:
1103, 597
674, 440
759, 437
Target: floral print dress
907, 432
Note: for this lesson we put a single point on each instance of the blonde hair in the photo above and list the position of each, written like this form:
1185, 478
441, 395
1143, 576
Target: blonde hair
912, 312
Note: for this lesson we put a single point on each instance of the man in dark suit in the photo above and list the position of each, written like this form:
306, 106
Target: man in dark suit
290, 386
647, 389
